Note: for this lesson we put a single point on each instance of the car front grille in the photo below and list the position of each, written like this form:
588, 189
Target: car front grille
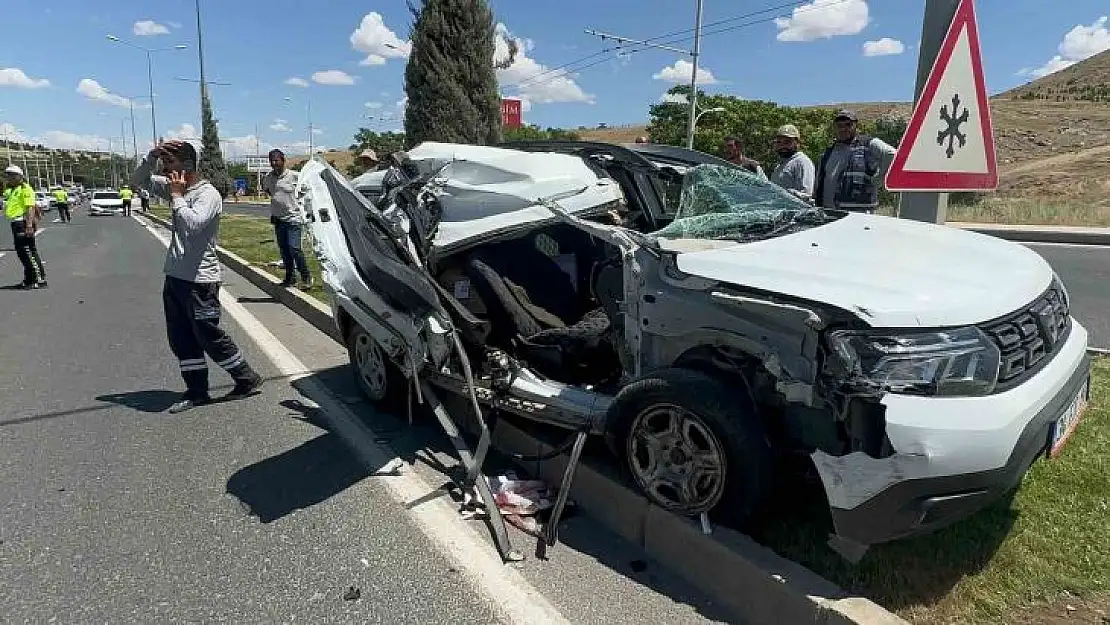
1030, 337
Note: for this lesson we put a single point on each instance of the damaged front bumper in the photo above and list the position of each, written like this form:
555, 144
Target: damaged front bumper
952, 455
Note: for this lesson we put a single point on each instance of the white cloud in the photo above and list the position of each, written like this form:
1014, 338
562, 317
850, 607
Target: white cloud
63, 140
149, 28
297, 82
673, 98
554, 85
11, 133
174, 24
378, 42
681, 72
184, 131
883, 47
14, 77
95, 91
248, 145
333, 77
822, 19
317, 131
1080, 43
280, 125
403, 103
374, 105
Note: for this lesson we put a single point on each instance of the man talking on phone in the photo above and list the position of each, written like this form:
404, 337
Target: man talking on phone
190, 295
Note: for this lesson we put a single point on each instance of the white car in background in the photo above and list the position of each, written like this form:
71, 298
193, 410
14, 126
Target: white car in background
105, 202
43, 201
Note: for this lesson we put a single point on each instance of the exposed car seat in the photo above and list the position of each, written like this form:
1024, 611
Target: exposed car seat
532, 305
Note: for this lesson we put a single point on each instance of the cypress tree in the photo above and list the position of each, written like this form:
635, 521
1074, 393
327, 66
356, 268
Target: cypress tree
212, 166
450, 79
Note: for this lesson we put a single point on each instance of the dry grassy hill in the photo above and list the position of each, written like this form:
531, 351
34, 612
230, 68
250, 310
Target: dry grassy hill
1086, 81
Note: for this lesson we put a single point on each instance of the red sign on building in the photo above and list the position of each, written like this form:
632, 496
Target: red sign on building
510, 113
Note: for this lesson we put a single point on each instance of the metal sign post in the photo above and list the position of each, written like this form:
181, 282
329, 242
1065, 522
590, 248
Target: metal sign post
930, 207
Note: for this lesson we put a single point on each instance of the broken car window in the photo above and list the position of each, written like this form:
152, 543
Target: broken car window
719, 202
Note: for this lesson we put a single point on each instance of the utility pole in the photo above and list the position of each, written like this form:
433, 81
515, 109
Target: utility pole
200, 54
929, 207
694, 79
694, 55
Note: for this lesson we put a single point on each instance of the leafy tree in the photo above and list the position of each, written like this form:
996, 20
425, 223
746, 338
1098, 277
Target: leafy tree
450, 80
211, 165
535, 133
382, 143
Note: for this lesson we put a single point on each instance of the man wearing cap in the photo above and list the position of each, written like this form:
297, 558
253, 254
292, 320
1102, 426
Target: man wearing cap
794, 171
287, 218
369, 159
191, 292
851, 170
20, 209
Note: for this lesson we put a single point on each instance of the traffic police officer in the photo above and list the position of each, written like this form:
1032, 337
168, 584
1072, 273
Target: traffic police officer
20, 209
61, 200
126, 194
190, 295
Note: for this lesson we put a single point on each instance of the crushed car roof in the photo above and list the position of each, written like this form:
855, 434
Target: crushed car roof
485, 190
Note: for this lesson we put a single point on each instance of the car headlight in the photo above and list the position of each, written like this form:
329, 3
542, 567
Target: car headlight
962, 361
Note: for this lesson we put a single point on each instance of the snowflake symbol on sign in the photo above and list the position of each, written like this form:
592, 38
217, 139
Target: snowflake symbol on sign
952, 133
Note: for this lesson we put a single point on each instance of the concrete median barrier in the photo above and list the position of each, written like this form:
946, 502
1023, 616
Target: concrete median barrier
1040, 234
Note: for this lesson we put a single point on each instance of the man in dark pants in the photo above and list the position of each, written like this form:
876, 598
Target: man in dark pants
191, 292
20, 209
287, 218
61, 201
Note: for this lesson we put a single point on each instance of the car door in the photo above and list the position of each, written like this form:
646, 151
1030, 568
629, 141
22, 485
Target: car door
366, 267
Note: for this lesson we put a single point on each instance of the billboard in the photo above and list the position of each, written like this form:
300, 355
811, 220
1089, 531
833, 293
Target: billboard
258, 164
510, 113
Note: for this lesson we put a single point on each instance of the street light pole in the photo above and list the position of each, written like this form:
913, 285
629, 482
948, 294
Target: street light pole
200, 53
150, 79
694, 78
150, 83
694, 54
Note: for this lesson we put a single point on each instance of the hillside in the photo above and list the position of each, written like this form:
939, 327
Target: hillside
1087, 80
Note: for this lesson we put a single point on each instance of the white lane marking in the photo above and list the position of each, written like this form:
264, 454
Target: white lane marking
1067, 245
503, 587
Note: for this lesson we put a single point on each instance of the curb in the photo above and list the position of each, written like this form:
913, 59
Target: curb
1039, 234
735, 571
748, 578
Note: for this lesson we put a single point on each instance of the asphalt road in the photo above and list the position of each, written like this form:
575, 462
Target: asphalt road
1085, 270
244, 512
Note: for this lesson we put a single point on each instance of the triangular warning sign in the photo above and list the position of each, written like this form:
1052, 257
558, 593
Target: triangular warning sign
949, 142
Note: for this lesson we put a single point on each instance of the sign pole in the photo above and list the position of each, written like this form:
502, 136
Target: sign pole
930, 207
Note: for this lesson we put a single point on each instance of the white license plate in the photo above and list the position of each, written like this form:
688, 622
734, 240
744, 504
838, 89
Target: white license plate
1066, 422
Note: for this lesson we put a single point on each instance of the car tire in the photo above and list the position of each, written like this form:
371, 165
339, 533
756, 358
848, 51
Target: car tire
375, 374
662, 423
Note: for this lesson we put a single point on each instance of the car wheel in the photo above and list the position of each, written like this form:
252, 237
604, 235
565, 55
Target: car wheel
692, 444
377, 377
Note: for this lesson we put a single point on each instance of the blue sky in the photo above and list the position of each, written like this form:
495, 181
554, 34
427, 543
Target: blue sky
63, 83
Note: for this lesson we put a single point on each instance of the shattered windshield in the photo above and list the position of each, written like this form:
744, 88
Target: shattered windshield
718, 202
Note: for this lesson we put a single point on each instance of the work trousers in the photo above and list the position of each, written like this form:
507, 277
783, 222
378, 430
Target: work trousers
288, 237
193, 326
28, 253
63, 212
126, 208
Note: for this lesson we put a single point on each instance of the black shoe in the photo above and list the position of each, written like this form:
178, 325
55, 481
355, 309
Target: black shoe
41, 284
188, 402
288, 284
245, 387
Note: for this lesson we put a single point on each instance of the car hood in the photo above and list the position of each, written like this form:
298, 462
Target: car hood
107, 202
890, 272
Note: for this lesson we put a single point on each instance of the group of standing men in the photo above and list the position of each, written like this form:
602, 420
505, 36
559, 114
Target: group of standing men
847, 176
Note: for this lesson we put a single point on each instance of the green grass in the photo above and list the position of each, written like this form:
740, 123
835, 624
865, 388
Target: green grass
252, 239
1051, 538
1029, 212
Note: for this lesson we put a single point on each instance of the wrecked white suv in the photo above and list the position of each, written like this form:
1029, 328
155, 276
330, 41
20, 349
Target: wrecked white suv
706, 322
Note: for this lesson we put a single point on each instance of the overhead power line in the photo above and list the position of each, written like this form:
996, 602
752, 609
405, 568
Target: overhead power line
671, 38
